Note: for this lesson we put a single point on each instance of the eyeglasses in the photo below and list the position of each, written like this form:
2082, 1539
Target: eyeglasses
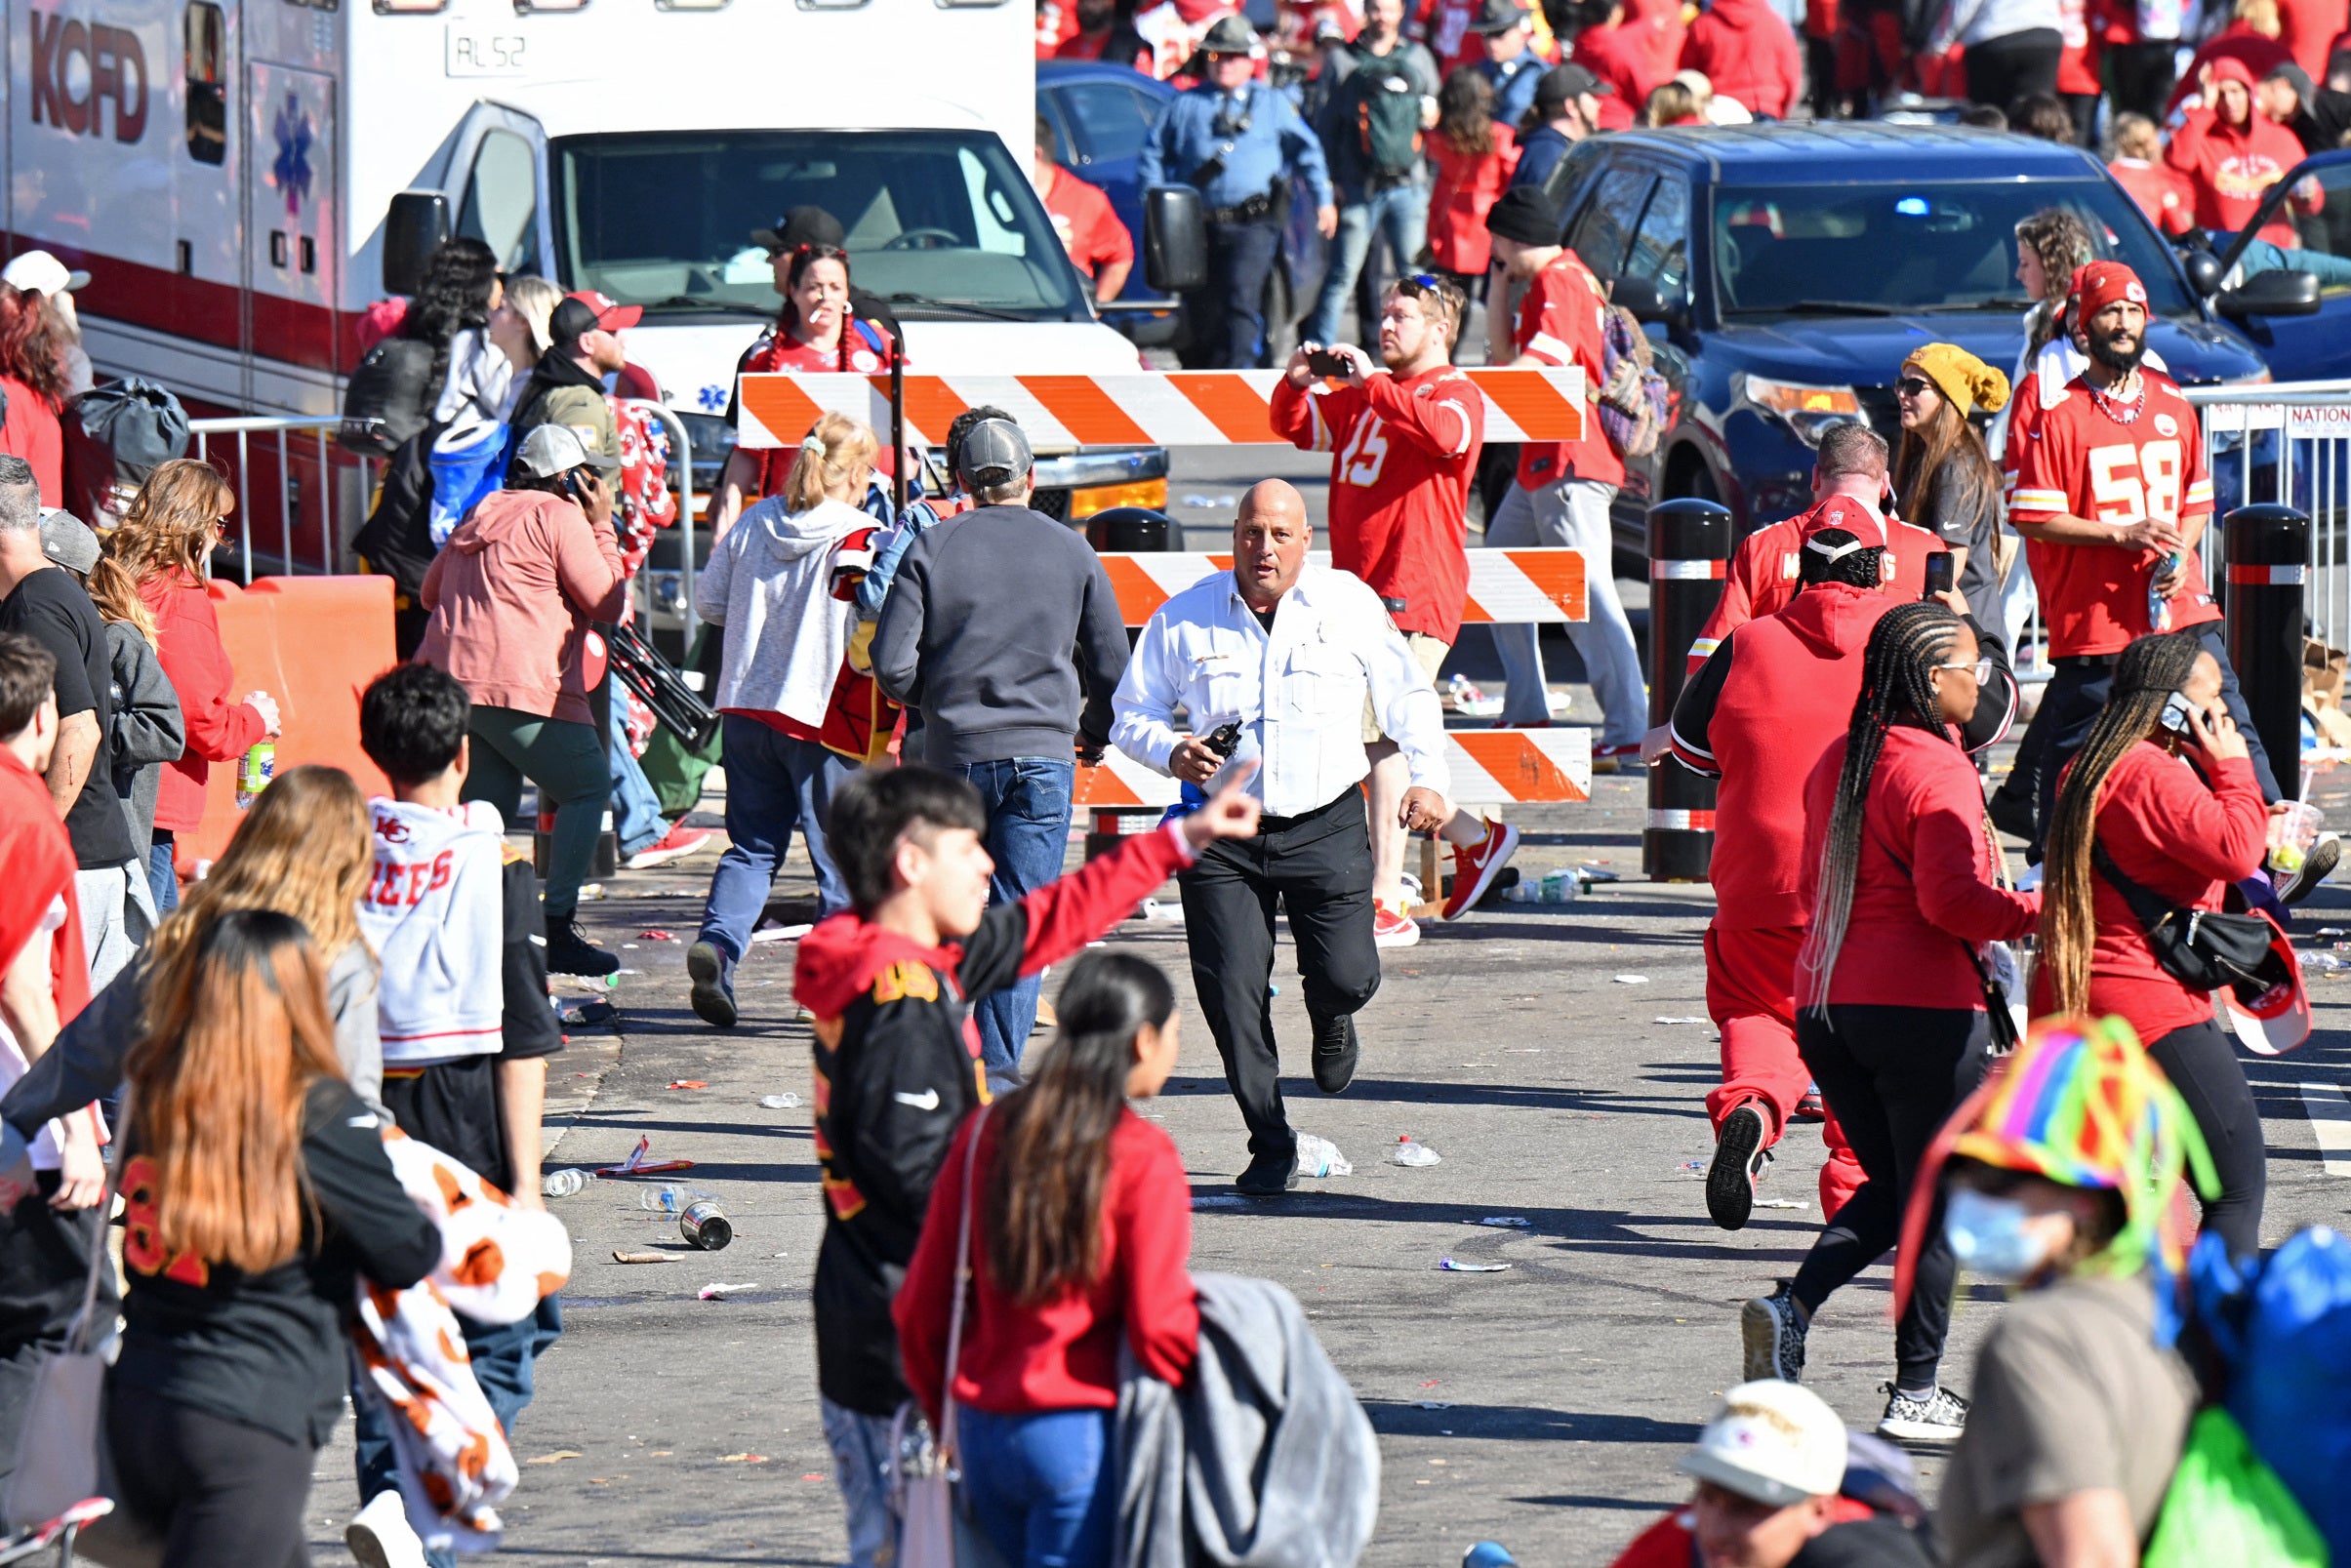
1981, 670
1913, 386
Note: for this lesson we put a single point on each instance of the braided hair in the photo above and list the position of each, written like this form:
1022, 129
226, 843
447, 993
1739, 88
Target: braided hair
1897, 687
1838, 555
2149, 671
802, 258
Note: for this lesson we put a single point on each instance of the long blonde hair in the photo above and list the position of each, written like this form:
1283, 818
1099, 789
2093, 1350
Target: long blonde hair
169, 526
534, 298
117, 598
831, 455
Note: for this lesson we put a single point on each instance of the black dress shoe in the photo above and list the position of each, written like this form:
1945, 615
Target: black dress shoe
1336, 1051
1268, 1176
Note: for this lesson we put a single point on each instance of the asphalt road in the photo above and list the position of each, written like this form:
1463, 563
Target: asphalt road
1556, 1058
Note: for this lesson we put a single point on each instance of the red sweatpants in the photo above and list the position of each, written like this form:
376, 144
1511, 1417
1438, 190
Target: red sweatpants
1751, 996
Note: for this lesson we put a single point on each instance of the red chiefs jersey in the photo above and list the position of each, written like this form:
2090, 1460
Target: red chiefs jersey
1090, 230
2079, 460
1399, 485
1559, 323
1762, 573
864, 350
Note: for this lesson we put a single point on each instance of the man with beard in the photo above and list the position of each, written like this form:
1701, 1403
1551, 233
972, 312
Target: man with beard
2111, 497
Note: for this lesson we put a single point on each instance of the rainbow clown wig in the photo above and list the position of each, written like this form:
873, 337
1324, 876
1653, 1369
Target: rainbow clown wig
2080, 1104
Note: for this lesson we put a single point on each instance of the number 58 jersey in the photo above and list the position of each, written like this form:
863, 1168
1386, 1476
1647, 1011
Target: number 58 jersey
2081, 460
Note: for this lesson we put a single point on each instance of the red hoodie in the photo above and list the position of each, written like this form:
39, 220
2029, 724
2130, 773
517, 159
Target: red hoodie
1748, 52
1760, 577
1922, 893
219, 729
2231, 167
1625, 57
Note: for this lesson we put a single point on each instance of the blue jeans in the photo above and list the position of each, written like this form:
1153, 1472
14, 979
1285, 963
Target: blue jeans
774, 783
1028, 801
1042, 1486
162, 880
502, 1356
861, 1462
1402, 212
636, 811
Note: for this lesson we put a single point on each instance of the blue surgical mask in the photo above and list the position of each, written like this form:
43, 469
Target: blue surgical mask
1989, 1238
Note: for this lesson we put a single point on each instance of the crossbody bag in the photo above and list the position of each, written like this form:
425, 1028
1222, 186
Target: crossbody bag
2203, 949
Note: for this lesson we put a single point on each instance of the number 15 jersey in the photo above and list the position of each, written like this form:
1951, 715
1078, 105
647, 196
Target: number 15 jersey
2079, 460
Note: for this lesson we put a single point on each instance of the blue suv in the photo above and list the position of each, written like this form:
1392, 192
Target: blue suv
1784, 273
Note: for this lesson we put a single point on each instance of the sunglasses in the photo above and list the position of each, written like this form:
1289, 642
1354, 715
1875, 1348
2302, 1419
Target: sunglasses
1914, 386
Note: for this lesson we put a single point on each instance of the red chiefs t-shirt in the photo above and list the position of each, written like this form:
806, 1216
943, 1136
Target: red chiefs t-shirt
781, 350
1559, 324
2079, 460
1399, 485
1090, 230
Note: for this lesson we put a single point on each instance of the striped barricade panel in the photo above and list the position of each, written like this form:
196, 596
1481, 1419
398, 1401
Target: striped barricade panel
1490, 768
1507, 587
1127, 408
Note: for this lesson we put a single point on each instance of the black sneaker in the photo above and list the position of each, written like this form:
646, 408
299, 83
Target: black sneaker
1336, 1051
713, 986
1268, 1176
1773, 1329
1740, 1160
569, 951
1939, 1418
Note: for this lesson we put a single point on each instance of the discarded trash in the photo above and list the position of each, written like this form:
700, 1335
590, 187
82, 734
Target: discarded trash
1678, 1019
1409, 1152
741, 1458
641, 1162
1631, 980
1433, 1404
1219, 1200
1319, 1156
780, 1102
2325, 963
619, 1257
1470, 699
1452, 1267
654, 935
2334, 931
589, 1012
688, 1083
716, 1292
555, 1458
1695, 1167
562, 1183
1781, 1203
782, 932
1552, 887
1153, 910
1591, 873
664, 1199
705, 1227
1513, 1221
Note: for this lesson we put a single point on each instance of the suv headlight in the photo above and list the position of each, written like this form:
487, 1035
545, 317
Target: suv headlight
1808, 410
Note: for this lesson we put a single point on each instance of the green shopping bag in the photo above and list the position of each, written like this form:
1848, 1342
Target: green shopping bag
2225, 1505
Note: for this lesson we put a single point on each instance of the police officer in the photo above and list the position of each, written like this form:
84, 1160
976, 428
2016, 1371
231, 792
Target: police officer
1241, 142
1511, 67
1274, 661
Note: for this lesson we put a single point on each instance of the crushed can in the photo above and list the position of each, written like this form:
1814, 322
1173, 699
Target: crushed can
705, 1227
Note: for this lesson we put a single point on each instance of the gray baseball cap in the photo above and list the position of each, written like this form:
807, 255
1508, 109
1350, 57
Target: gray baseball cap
550, 449
994, 452
67, 541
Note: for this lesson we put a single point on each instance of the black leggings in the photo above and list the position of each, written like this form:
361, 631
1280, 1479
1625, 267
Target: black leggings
2014, 65
222, 1494
1893, 1077
2202, 1067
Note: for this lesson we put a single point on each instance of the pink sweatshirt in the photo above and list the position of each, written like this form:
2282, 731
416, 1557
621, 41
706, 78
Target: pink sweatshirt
511, 595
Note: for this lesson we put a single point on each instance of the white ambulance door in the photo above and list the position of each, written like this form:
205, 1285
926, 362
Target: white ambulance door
498, 184
291, 216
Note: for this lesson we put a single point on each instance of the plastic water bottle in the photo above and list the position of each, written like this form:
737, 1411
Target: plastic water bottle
2159, 607
254, 769
562, 1183
1409, 1152
1319, 1156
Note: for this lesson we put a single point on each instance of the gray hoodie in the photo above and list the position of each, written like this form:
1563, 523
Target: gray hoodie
148, 729
770, 585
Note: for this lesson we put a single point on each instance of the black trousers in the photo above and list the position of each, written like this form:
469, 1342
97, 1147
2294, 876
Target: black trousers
44, 1264
1318, 869
2077, 692
2139, 76
222, 1494
1892, 1075
2000, 70
1227, 316
2202, 1067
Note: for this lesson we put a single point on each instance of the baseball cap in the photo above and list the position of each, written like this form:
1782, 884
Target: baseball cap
1849, 515
1775, 1442
1525, 214
39, 273
67, 541
994, 452
550, 449
1231, 35
802, 225
1562, 85
1499, 16
588, 310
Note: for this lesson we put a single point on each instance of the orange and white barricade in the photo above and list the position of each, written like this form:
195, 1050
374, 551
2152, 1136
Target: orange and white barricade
1507, 587
1488, 767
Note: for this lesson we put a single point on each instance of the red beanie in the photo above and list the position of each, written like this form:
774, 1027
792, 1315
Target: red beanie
2099, 285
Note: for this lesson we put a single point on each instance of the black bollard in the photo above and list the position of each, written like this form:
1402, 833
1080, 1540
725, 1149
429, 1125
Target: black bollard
2268, 550
1130, 530
1689, 545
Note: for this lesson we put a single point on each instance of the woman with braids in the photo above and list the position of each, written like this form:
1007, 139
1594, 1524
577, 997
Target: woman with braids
2162, 791
1898, 873
1081, 1226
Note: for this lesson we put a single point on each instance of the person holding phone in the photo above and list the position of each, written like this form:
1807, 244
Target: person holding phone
2163, 791
1944, 478
511, 598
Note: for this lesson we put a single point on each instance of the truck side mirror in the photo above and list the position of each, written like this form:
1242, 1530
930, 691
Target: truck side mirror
2271, 294
415, 226
2203, 272
1175, 239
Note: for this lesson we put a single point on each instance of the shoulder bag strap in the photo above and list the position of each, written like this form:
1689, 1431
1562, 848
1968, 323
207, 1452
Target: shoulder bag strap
77, 1334
2150, 906
955, 1317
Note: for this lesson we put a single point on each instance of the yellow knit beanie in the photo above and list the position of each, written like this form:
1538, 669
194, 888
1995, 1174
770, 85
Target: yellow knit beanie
1964, 379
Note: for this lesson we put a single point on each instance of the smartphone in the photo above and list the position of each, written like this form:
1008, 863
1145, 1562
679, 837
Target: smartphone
2175, 718
1327, 362
1940, 577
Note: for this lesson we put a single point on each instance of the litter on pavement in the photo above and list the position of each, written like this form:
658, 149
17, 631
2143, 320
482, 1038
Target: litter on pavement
1452, 1267
1515, 1222
641, 1162
717, 1291
1409, 1152
780, 1102
1631, 980
1319, 1156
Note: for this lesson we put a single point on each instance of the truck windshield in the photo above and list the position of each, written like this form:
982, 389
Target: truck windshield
665, 219
1883, 249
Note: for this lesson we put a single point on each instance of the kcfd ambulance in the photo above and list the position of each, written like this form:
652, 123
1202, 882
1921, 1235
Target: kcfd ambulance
228, 171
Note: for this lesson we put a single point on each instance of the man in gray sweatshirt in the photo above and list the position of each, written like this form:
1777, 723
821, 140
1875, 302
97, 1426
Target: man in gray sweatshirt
1003, 630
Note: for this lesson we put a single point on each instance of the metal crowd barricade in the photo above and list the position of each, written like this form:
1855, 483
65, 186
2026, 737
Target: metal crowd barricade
278, 431
2288, 444
681, 462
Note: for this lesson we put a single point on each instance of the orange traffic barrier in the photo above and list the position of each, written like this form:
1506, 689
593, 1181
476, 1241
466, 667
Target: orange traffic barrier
314, 643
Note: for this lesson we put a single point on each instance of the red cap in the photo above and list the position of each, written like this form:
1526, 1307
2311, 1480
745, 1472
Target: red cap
1849, 515
2099, 285
609, 316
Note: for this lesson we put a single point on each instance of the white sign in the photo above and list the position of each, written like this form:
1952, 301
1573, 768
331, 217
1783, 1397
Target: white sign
2319, 423
482, 53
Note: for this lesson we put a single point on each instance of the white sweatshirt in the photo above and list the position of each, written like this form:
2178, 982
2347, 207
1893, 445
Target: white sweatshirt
435, 913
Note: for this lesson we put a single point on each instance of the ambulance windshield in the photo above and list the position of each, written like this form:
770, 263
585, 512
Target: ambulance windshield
665, 219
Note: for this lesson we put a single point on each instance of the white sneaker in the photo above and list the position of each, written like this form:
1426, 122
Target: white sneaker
379, 1537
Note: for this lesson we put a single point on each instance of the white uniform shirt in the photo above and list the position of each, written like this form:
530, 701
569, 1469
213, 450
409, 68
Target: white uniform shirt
1297, 691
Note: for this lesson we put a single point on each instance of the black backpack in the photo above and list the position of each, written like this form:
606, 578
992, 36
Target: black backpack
1386, 113
389, 397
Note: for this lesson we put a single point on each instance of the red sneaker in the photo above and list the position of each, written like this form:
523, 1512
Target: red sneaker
1393, 928
1475, 866
676, 844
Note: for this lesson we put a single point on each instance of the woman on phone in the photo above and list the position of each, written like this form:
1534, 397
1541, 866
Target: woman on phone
1893, 1027
1080, 1228
2165, 789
